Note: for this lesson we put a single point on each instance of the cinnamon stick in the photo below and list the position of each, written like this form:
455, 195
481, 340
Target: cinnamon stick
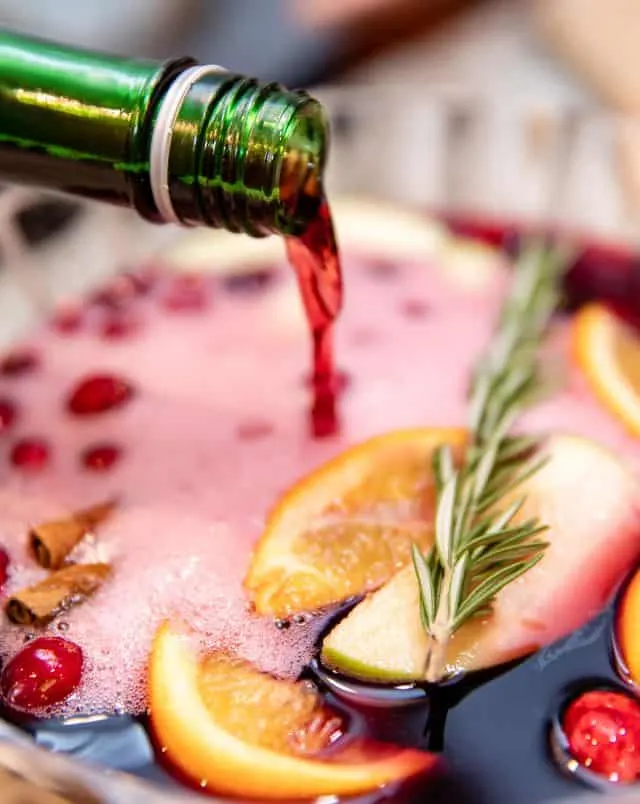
38, 604
51, 542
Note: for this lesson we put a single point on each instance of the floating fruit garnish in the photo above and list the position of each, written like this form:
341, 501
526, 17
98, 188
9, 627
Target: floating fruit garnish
596, 736
383, 639
101, 457
246, 734
187, 294
348, 527
118, 325
4, 567
608, 351
627, 631
68, 320
8, 413
99, 393
19, 362
30, 454
46, 671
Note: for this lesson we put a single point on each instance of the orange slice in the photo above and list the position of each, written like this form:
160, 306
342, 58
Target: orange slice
627, 619
240, 732
347, 528
608, 352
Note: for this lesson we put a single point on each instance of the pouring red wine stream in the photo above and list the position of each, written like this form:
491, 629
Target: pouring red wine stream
314, 257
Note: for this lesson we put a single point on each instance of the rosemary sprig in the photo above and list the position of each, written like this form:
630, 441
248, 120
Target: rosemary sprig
479, 548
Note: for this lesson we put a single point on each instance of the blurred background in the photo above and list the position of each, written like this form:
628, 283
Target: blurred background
565, 49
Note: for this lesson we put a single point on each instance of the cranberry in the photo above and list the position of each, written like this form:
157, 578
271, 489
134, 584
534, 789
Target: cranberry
603, 729
67, 320
116, 294
30, 454
186, 294
99, 393
100, 457
142, 280
4, 567
20, 362
8, 414
249, 282
46, 671
118, 325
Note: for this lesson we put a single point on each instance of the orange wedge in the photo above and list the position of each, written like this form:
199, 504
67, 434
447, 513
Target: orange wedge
608, 352
347, 528
237, 731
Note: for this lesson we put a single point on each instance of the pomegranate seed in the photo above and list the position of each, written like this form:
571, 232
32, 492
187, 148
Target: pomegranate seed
67, 320
4, 567
119, 326
254, 430
99, 393
100, 457
46, 671
8, 414
187, 294
30, 454
18, 363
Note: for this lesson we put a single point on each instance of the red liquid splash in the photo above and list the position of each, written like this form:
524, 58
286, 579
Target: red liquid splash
315, 259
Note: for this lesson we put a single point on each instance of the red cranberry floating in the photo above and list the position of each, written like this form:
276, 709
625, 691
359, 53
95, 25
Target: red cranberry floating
18, 363
4, 567
30, 454
8, 412
143, 280
67, 320
187, 294
99, 393
249, 282
101, 457
601, 730
46, 671
117, 326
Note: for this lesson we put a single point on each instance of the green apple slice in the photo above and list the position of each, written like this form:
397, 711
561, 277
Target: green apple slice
591, 503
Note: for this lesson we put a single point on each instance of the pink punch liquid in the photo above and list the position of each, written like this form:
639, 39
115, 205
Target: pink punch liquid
187, 398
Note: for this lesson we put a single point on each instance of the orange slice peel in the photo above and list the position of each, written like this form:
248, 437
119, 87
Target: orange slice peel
346, 528
608, 352
236, 731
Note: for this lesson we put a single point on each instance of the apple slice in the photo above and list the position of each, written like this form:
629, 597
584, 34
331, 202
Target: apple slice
591, 503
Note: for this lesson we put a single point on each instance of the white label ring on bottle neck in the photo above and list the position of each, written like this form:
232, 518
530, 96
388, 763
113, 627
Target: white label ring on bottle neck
162, 136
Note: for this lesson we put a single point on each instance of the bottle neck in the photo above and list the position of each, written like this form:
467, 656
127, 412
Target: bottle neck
176, 141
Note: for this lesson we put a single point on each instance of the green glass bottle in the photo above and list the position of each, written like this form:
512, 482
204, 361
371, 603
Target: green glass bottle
177, 141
